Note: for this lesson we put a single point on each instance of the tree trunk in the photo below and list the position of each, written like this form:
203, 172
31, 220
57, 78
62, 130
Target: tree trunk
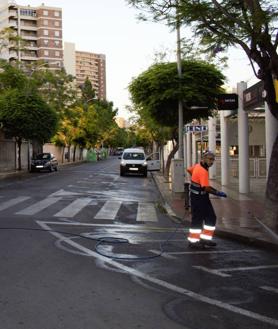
68, 153
74, 152
271, 205
81, 153
37, 147
170, 157
63, 153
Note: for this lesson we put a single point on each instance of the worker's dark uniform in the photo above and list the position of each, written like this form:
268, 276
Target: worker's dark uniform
203, 216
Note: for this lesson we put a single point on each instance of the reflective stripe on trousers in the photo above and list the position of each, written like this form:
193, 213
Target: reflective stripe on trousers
207, 232
194, 235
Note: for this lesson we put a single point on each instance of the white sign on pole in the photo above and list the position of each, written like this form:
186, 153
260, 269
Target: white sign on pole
196, 128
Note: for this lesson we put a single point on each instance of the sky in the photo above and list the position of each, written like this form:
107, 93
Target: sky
111, 27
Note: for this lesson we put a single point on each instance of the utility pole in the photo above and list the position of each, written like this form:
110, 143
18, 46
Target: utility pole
179, 67
178, 164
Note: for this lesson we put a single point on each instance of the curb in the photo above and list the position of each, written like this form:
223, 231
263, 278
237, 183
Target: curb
18, 173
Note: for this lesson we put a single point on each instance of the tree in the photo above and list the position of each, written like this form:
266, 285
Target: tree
88, 93
12, 77
156, 93
56, 88
249, 24
26, 116
159, 88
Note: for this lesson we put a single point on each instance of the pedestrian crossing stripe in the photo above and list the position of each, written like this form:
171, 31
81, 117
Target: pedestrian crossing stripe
73, 208
38, 206
146, 211
13, 202
109, 210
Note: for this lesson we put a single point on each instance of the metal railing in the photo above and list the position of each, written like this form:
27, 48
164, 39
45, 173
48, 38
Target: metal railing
257, 167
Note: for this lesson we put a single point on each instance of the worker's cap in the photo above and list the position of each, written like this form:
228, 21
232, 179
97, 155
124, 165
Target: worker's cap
207, 154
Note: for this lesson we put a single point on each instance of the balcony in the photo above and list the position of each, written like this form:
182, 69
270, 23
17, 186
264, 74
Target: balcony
12, 14
28, 36
27, 27
29, 57
13, 55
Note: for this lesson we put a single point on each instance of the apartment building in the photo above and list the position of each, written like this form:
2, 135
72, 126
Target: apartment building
91, 66
40, 29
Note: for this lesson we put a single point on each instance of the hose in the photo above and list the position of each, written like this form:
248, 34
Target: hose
100, 241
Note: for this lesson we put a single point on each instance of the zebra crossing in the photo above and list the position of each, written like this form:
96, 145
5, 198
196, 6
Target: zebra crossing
102, 210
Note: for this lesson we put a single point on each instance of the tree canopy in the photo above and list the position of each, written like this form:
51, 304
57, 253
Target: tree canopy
158, 90
27, 116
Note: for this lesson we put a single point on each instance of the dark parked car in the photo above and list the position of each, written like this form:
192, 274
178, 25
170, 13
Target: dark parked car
44, 161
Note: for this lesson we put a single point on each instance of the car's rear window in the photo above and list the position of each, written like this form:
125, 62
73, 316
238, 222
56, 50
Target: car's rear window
133, 156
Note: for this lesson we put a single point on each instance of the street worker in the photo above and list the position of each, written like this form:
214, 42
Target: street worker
203, 218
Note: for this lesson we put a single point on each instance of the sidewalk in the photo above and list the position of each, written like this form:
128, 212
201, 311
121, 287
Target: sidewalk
238, 215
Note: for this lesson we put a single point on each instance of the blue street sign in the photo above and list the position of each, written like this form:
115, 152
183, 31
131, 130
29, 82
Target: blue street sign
195, 128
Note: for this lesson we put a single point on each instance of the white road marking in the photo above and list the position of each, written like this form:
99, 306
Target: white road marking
164, 284
146, 212
271, 289
13, 202
200, 252
162, 254
216, 272
73, 208
62, 192
125, 227
109, 210
38, 206
220, 271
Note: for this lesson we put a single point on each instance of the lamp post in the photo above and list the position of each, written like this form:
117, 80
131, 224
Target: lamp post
178, 164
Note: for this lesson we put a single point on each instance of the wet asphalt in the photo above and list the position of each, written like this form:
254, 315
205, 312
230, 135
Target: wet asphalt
85, 248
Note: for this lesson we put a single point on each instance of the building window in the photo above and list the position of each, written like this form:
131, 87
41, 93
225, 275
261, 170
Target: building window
56, 13
46, 53
57, 43
57, 23
57, 53
45, 32
45, 42
57, 33
45, 12
28, 12
45, 22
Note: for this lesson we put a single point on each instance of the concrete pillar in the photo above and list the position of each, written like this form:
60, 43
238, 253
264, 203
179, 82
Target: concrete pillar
225, 157
271, 132
184, 151
189, 149
194, 149
188, 154
243, 142
212, 143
